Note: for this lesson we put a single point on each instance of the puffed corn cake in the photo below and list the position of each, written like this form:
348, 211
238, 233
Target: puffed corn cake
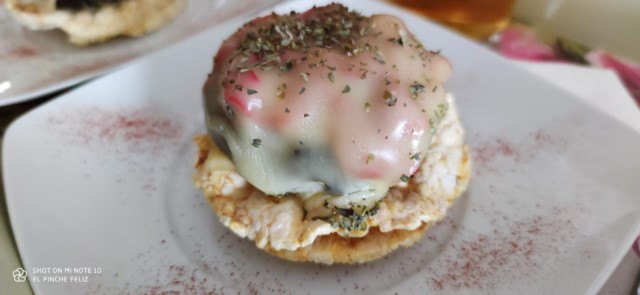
285, 226
93, 21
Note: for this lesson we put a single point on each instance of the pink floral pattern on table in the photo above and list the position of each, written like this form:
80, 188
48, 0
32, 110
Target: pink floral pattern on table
33, 63
520, 42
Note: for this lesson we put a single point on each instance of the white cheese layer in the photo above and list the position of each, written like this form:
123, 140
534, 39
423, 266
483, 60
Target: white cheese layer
348, 109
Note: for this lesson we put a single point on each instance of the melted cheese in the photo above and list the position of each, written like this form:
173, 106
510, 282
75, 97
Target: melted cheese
351, 123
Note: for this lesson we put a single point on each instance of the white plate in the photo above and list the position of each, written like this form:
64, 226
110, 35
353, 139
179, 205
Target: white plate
34, 63
101, 178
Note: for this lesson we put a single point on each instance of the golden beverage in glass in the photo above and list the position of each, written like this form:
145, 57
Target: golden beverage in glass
476, 18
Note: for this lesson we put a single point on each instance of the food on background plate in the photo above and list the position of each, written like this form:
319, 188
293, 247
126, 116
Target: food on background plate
331, 138
94, 21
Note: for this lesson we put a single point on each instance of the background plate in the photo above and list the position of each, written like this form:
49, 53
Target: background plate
34, 63
101, 178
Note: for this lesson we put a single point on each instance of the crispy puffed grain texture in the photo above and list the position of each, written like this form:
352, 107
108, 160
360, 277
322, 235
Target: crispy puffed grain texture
280, 227
131, 18
333, 248
271, 222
